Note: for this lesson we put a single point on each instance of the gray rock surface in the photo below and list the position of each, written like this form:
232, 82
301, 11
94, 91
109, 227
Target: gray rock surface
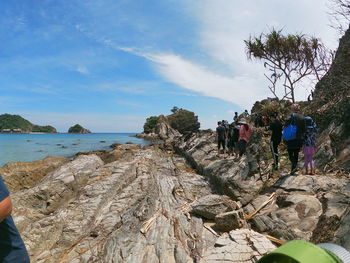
230, 220
303, 205
211, 205
243, 246
135, 209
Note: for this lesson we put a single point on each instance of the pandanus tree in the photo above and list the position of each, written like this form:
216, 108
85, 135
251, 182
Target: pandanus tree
289, 59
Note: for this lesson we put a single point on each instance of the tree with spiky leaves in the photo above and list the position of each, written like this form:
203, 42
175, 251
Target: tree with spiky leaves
289, 59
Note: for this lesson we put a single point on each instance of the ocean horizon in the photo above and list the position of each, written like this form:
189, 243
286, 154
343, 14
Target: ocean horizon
27, 147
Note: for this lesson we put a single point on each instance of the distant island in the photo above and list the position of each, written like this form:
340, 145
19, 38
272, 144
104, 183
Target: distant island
78, 129
16, 124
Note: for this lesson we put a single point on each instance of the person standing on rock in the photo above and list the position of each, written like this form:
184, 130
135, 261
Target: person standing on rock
12, 248
221, 137
309, 145
276, 136
294, 145
244, 135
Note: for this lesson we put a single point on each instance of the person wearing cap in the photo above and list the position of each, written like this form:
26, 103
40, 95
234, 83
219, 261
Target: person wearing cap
294, 146
276, 135
244, 135
12, 248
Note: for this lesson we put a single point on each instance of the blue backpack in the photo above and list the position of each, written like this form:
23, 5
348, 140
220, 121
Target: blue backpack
290, 132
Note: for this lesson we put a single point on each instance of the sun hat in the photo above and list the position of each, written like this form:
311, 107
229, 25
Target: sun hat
242, 121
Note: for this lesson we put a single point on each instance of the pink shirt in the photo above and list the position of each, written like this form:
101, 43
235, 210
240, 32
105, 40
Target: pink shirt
245, 134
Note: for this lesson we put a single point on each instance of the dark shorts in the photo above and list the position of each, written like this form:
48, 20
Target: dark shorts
221, 142
242, 145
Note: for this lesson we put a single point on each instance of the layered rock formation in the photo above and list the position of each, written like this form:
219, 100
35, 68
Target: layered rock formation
133, 209
289, 207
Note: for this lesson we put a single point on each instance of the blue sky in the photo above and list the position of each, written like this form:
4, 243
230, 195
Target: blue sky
110, 64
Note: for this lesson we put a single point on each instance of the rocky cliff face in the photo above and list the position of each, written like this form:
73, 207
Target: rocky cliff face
331, 109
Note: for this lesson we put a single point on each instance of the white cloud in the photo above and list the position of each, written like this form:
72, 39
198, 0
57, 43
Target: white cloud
223, 26
82, 70
192, 76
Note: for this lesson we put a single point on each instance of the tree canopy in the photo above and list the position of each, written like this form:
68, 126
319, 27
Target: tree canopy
289, 59
150, 124
184, 121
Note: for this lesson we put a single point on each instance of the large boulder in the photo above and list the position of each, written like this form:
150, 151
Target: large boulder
230, 220
164, 130
212, 205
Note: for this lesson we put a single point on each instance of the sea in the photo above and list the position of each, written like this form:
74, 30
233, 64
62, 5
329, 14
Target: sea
31, 147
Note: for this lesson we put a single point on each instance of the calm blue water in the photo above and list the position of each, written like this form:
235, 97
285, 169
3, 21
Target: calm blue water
30, 147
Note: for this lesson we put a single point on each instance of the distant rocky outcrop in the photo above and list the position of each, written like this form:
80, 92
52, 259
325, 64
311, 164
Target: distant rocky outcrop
77, 128
331, 109
17, 124
162, 130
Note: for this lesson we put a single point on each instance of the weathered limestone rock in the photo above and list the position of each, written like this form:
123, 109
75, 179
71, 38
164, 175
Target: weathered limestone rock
241, 180
21, 175
241, 246
135, 209
164, 130
302, 206
211, 205
230, 220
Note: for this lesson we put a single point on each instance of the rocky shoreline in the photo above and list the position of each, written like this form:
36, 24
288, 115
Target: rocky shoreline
173, 202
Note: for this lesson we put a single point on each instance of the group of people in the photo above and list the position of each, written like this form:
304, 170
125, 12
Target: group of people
305, 139
236, 135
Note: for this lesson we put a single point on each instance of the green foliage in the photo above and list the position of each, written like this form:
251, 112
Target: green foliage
184, 121
47, 129
150, 124
289, 59
76, 129
175, 109
8, 121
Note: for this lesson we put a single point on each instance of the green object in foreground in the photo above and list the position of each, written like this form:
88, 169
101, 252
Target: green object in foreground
299, 251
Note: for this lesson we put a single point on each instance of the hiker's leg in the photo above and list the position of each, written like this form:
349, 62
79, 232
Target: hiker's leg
272, 147
296, 158
243, 145
306, 162
312, 163
276, 152
290, 156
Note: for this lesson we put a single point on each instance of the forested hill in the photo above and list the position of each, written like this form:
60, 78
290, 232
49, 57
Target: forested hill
15, 123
